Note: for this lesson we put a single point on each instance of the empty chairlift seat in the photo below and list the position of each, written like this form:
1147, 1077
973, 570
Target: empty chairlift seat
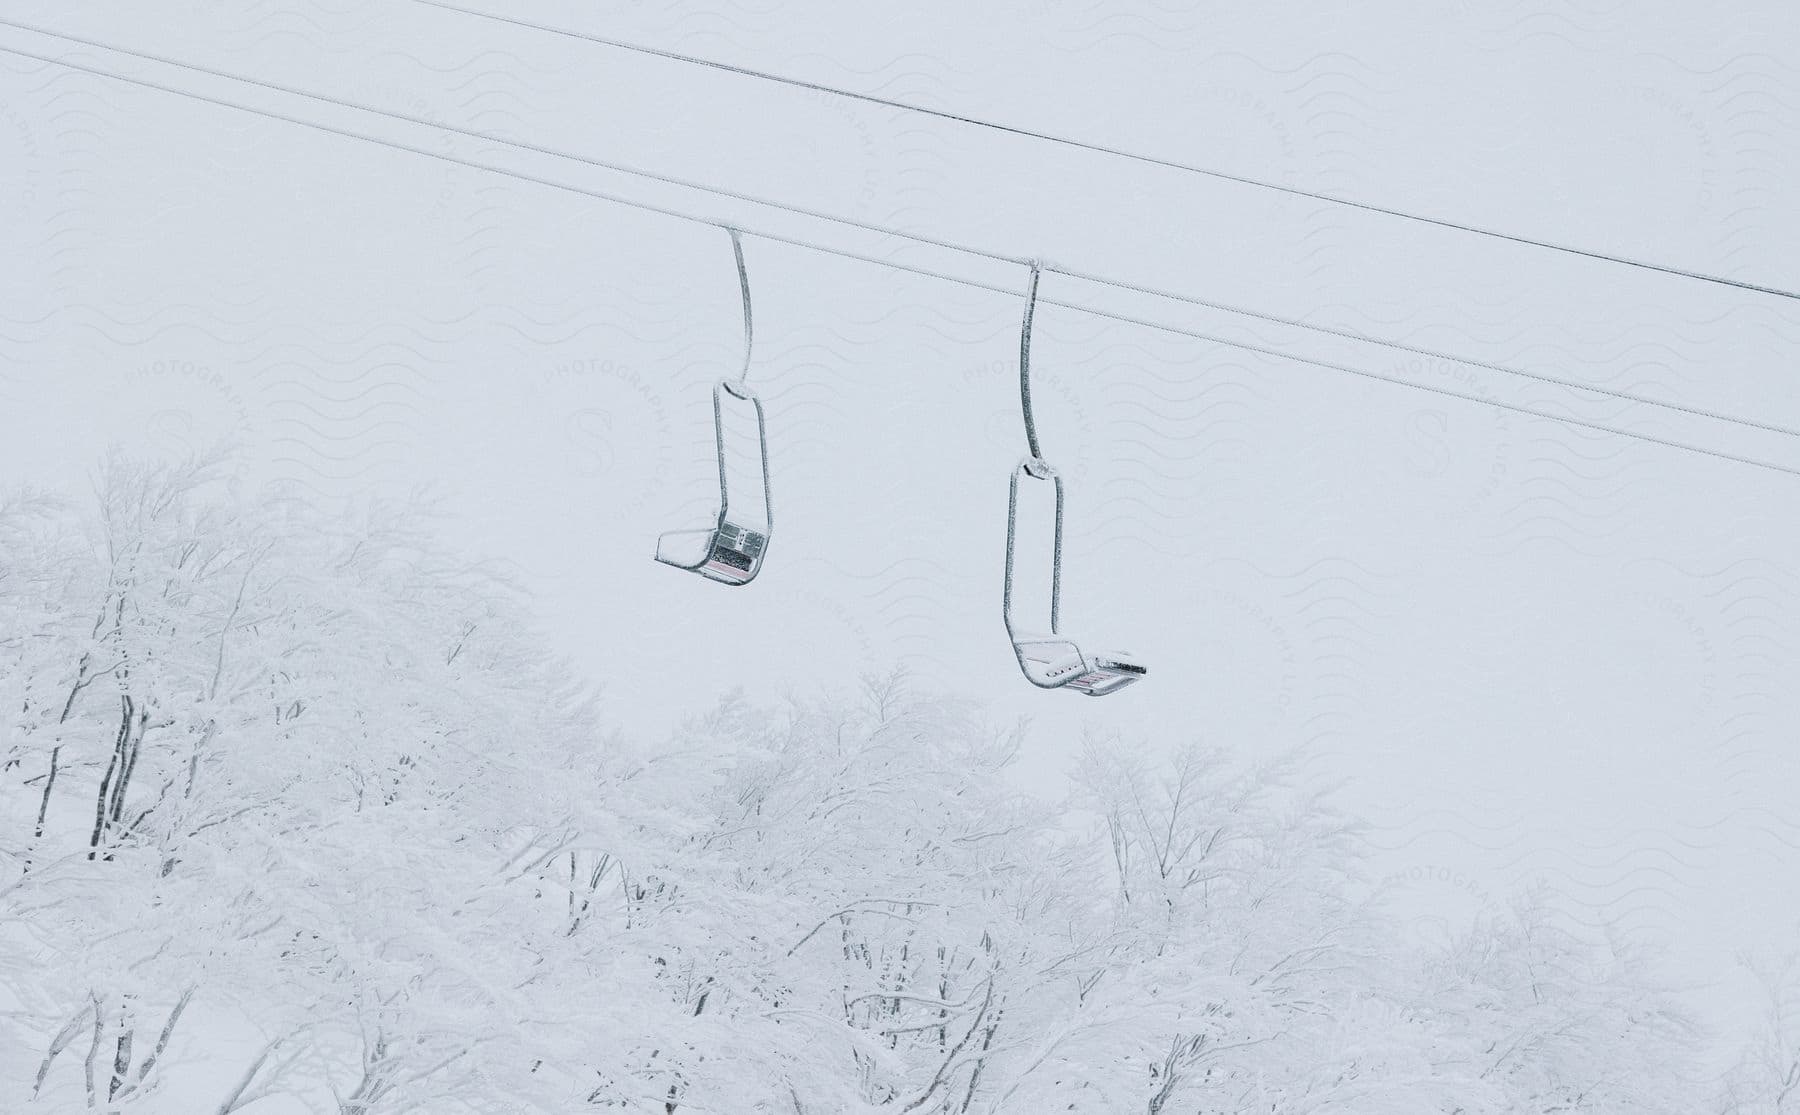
732, 549
1052, 660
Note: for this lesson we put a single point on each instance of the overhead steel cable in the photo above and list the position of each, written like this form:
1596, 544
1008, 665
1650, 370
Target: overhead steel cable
929, 241
1117, 152
879, 262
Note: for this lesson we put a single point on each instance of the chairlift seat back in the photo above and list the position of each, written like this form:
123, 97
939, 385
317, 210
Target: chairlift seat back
728, 552
736, 553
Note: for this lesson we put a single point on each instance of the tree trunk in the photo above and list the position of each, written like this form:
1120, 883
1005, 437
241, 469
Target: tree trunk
94, 1050
112, 765
134, 744
121, 1060
37, 833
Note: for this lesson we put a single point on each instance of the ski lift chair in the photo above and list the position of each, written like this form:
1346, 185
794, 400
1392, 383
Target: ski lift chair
1053, 660
729, 551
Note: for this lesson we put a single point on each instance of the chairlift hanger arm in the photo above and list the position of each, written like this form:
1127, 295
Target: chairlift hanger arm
737, 250
1094, 676
1031, 438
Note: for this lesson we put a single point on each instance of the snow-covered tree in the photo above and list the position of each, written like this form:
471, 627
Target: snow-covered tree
297, 806
1765, 1080
260, 755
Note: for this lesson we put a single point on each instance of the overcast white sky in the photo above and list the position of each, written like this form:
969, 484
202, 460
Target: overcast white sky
1531, 651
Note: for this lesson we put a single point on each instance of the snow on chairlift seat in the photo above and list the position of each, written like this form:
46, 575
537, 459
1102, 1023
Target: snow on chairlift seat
1053, 660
